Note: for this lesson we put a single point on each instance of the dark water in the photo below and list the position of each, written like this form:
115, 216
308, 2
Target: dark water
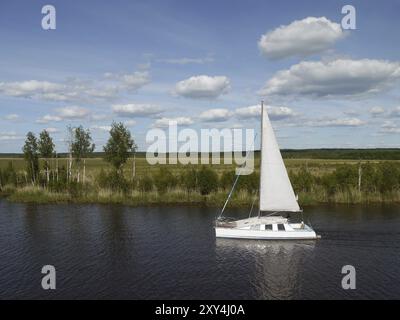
171, 253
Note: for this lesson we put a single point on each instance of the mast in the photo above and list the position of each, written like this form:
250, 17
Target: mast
261, 147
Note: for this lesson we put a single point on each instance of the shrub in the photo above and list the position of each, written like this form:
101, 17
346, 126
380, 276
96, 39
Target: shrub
302, 181
145, 184
189, 179
113, 180
164, 180
207, 180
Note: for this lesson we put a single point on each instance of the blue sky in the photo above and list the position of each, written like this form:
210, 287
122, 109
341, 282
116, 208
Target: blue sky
202, 64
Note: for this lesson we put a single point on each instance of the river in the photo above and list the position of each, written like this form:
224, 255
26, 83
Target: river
120, 252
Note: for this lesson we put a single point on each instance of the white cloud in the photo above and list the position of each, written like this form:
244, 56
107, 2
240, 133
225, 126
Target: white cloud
7, 136
52, 130
48, 118
274, 113
136, 110
65, 113
130, 123
342, 77
345, 122
395, 112
215, 115
389, 127
135, 80
76, 90
101, 128
301, 38
73, 112
11, 117
203, 87
165, 122
183, 61
376, 111
28, 88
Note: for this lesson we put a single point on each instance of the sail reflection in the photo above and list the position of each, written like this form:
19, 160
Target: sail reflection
276, 265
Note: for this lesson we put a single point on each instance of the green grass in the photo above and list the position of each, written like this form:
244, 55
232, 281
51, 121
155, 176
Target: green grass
177, 195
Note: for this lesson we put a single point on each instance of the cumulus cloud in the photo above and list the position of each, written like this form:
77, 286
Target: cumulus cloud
49, 118
101, 128
72, 112
135, 80
215, 115
345, 122
300, 38
52, 130
342, 77
395, 112
274, 113
203, 87
11, 117
183, 61
28, 88
136, 110
376, 111
7, 136
77, 90
389, 127
130, 122
65, 113
165, 122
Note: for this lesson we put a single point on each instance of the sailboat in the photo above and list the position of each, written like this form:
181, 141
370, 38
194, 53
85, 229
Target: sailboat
276, 198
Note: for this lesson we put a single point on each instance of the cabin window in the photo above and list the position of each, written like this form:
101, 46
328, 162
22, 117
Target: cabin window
268, 227
255, 227
281, 227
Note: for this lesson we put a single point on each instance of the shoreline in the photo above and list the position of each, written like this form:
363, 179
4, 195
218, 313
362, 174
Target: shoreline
37, 195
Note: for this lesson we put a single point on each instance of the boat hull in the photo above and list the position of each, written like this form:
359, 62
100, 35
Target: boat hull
234, 233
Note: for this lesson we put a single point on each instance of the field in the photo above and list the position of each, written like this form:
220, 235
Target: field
314, 180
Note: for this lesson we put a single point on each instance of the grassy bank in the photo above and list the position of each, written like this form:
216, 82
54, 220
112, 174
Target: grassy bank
176, 197
314, 180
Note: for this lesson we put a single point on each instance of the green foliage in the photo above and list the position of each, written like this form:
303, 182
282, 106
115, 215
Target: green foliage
81, 145
45, 145
389, 177
119, 145
250, 182
207, 180
227, 179
30, 150
164, 180
188, 179
346, 177
113, 180
145, 184
302, 181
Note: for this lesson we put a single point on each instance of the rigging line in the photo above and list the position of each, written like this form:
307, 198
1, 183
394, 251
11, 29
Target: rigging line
236, 180
252, 205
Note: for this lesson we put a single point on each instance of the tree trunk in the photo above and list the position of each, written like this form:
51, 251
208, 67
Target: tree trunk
47, 171
84, 170
33, 173
70, 167
134, 167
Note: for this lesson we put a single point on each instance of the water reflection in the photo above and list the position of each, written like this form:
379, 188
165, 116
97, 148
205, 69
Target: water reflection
275, 265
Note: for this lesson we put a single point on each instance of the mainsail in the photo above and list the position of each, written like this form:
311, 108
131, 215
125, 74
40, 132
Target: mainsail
276, 192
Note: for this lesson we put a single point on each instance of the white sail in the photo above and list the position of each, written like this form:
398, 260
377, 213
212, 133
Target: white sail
276, 192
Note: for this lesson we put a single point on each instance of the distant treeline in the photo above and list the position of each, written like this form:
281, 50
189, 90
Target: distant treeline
334, 154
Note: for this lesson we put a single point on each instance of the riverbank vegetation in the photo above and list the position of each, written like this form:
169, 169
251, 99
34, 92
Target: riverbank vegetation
124, 176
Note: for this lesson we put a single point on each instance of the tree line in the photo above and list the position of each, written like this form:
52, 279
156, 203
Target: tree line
119, 147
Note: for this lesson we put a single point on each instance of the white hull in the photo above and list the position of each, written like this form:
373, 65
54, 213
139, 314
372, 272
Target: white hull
256, 228
264, 235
